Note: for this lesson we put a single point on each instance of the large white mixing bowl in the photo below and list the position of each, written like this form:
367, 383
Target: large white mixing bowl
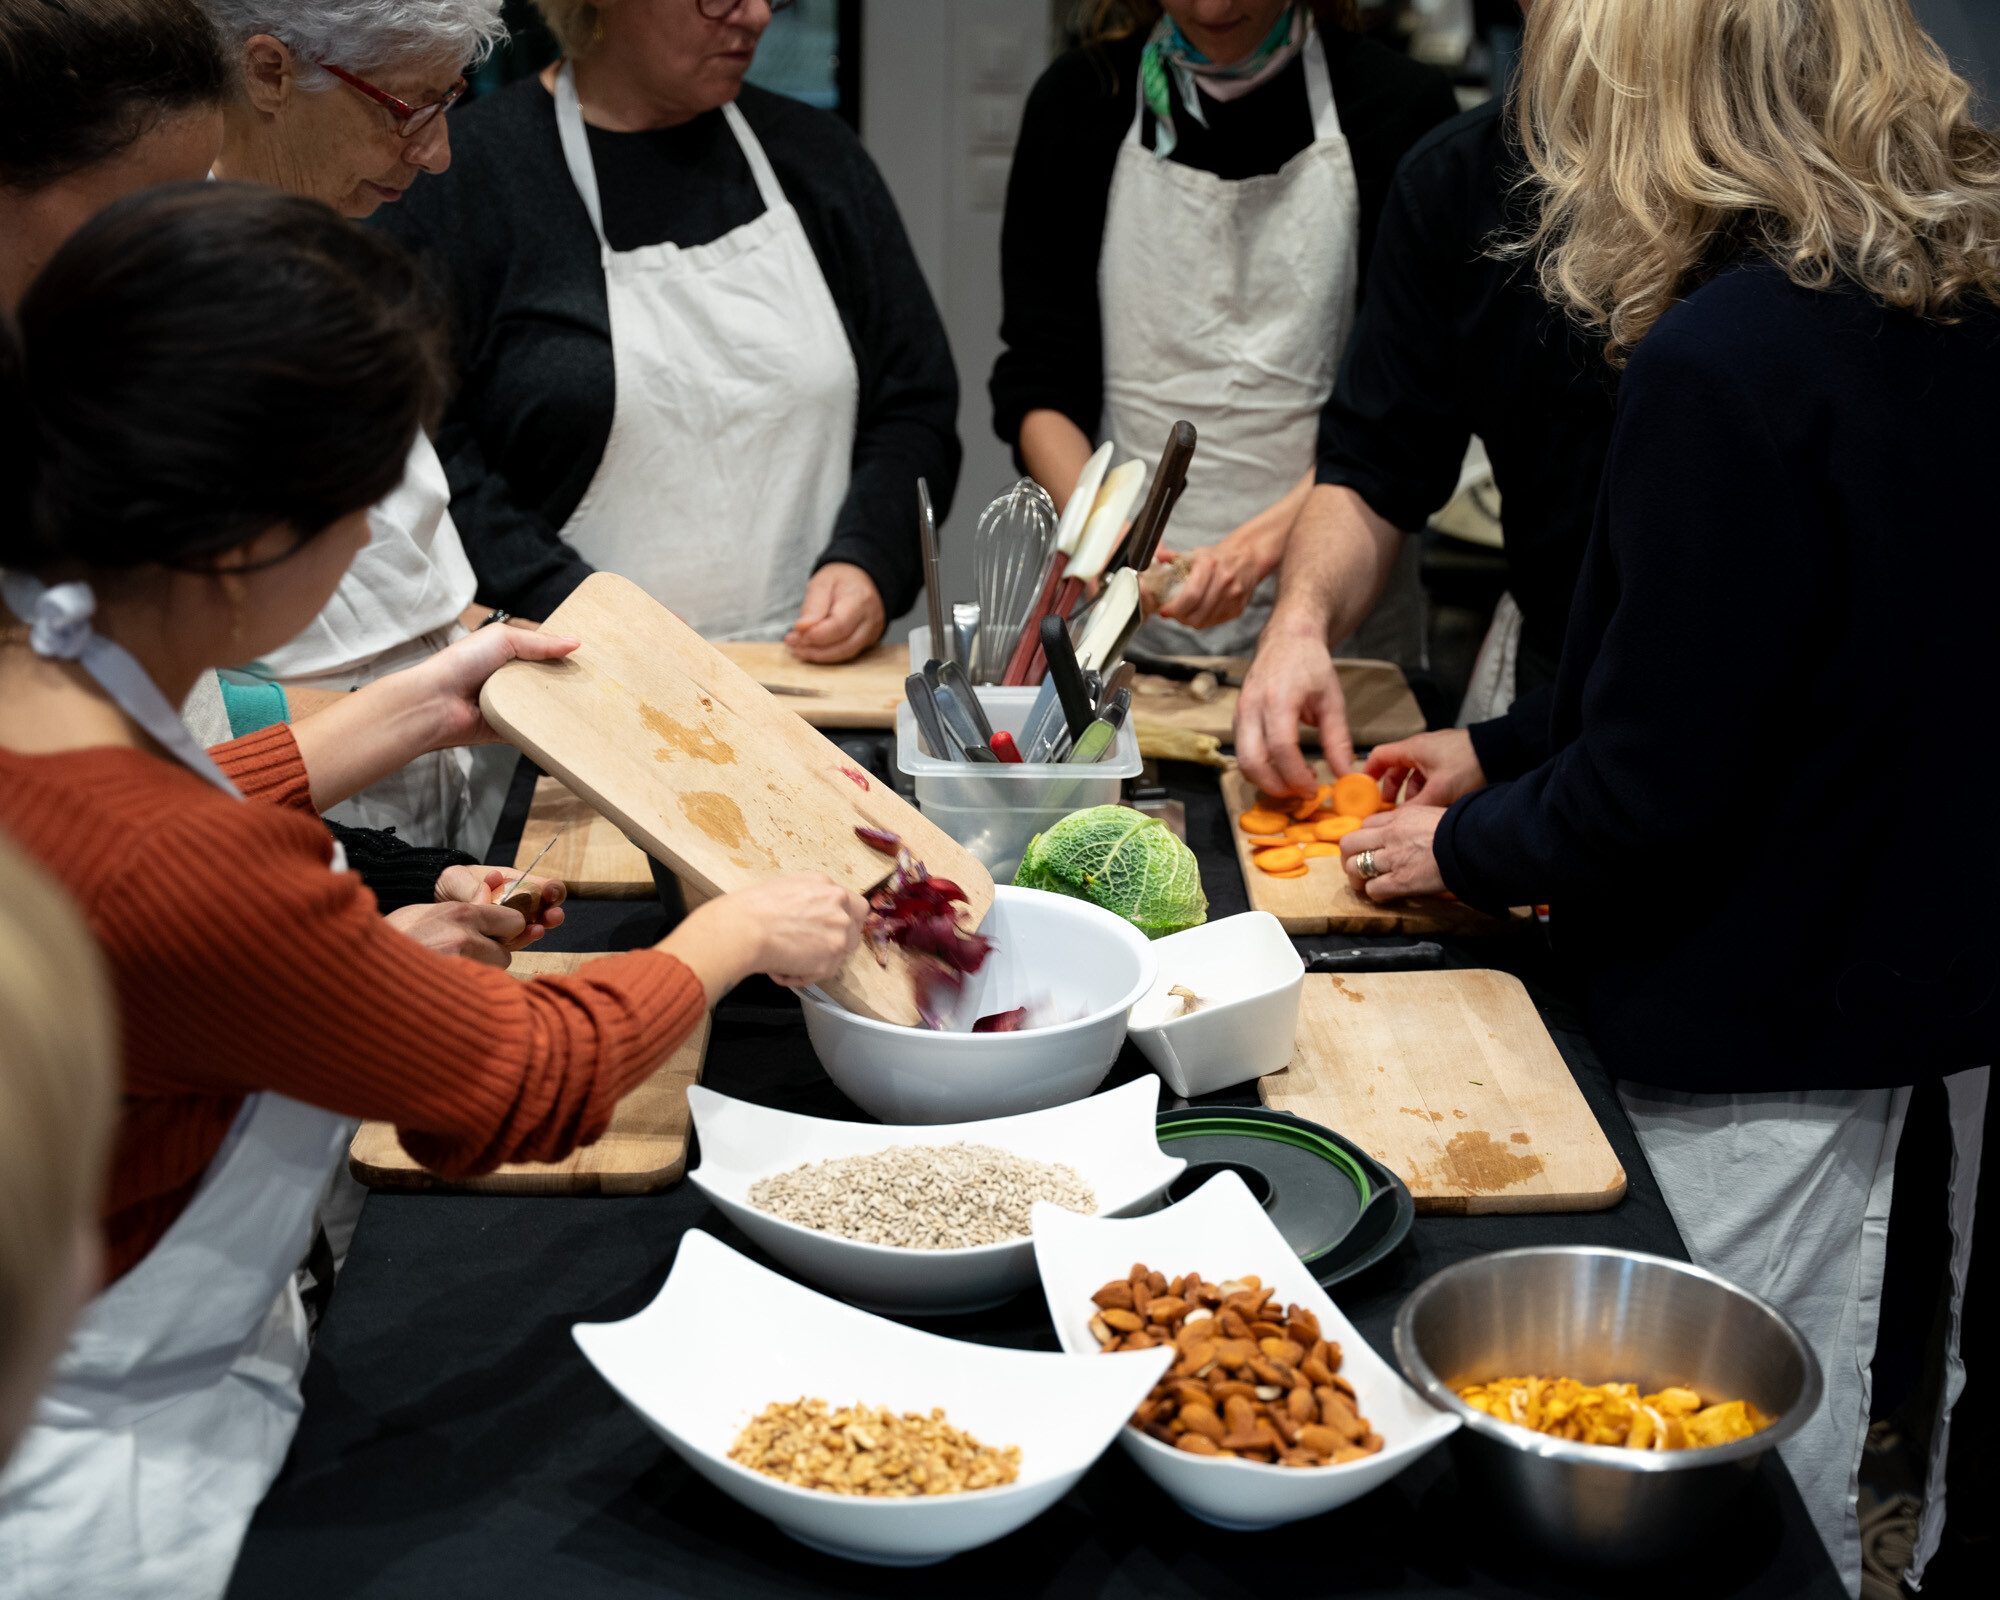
1057, 956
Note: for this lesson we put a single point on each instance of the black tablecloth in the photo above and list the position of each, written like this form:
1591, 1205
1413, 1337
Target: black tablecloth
455, 1442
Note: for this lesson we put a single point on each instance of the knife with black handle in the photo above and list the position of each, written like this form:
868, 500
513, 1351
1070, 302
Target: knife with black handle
1061, 656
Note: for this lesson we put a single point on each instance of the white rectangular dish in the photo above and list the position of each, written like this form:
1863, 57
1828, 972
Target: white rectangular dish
1108, 1138
725, 1338
1222, 1233
1249, 976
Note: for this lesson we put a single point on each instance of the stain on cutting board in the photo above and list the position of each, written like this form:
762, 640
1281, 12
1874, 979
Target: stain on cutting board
1472, 1161
691, 744
721, 819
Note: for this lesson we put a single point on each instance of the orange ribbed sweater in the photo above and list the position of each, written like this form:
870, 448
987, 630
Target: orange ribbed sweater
242, 963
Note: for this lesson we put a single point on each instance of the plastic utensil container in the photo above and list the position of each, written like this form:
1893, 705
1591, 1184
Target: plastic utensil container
995, 810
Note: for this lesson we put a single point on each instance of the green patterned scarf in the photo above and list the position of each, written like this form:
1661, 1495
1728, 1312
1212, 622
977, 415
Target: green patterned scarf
1169, 57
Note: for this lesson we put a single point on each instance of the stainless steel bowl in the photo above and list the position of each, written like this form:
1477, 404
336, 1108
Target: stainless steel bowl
1602, 1316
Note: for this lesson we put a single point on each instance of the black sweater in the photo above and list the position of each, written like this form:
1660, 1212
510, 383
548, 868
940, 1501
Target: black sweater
1768, 833
1077, 117
506, 233
1452, 341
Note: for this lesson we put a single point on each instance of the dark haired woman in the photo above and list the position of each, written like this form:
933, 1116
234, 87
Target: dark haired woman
1191, 206
100, 97
263, 344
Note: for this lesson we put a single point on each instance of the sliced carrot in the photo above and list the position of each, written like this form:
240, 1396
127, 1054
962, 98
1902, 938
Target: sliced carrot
1261, 841
1300, 871
1259, 820
1335, 828
1308, 804
1319, 847
1357, 795
1282, 859
1300, 833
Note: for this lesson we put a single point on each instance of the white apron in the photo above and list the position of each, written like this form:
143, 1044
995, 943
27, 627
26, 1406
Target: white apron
1788, 1194
732, 439
175, 1400
1228, 303
397, 606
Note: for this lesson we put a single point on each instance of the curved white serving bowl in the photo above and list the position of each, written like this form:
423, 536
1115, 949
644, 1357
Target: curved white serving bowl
1108, 1138
725, 1337
1250, 975
1069, 956
1222, 1233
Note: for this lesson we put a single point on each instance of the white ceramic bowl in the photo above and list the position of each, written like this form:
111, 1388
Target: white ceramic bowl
1054, 954
725, 1337
1108, 1138
1249, 976
1220, 1232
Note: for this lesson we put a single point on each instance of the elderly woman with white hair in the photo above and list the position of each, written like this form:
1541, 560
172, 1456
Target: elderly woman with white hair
345, 101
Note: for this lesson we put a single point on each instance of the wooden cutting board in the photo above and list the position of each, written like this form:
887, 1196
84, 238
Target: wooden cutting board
1380, 707
653, 728
862, 693
644, 1149
593, 859
1324, 901
1451, 1080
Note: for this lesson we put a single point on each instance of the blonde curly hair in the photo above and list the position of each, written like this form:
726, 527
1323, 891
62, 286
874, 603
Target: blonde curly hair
1832, 135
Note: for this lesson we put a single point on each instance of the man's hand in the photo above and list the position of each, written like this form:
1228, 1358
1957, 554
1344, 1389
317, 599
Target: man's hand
1401, 842
1291, 681
841, 617
1442, 763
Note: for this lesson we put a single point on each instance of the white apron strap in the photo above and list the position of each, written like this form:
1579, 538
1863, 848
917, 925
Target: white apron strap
60, 629
576, 148
768, 187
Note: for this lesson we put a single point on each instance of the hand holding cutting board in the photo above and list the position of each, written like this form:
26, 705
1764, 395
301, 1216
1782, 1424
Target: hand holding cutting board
661, 733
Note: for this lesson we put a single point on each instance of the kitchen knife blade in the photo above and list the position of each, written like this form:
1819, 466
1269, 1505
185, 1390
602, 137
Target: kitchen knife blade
933, 588
955, 679
959, 724
925, 710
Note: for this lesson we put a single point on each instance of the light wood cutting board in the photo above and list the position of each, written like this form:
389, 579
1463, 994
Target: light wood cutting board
644, 1149
862, 693
650, 726
1380, 707
1451, 1080
1324, 901
593, 859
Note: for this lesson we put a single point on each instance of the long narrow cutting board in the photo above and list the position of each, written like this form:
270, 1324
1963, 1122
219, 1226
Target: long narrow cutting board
1451, 1080
862, 693
650, 726
1380, 707
1325, 901
594, 860
644, 1149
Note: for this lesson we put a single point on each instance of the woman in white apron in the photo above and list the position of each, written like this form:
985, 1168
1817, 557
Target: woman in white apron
698, 349
1229, 253
353, 113
174, 1403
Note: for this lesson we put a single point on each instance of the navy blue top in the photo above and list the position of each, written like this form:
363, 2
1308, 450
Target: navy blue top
1768, 833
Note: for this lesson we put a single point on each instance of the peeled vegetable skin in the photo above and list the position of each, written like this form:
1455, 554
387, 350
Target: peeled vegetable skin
1128, 863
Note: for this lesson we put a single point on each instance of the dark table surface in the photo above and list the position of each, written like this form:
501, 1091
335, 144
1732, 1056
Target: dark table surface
455, 1442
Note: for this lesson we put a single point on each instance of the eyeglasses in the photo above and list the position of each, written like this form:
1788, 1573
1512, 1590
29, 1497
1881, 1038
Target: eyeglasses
716, 10
410, 120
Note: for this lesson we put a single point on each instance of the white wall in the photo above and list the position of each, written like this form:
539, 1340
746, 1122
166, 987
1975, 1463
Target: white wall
942, 86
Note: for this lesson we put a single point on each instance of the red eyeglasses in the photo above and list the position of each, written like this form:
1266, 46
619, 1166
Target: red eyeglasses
410, 120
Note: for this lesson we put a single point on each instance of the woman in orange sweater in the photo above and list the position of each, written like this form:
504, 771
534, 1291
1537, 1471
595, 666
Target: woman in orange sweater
212, 385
